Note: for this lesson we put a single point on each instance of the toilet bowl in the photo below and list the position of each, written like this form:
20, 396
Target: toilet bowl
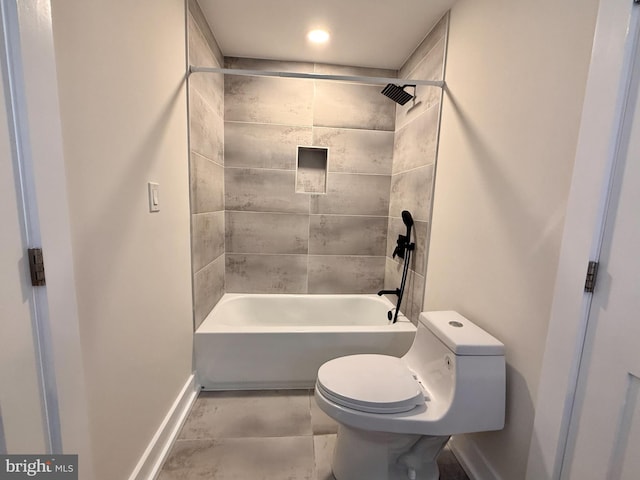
396, 414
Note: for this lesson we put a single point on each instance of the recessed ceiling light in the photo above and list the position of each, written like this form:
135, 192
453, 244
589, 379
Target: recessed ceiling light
318, 36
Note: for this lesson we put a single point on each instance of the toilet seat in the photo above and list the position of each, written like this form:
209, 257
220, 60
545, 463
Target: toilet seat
370, 383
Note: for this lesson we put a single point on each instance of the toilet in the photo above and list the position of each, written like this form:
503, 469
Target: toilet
396, 414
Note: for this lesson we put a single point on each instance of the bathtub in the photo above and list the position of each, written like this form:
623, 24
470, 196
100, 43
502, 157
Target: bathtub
251, 341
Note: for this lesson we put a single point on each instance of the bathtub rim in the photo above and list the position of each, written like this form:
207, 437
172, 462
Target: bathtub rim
209, 325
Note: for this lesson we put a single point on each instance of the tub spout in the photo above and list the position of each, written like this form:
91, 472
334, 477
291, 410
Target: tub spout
393, 292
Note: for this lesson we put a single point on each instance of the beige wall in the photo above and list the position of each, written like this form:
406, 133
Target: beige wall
516, 74
121, 75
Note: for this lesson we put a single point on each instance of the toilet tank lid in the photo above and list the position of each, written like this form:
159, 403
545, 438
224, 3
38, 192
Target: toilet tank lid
460, 335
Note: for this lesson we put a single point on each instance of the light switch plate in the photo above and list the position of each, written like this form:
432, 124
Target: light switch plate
154, 197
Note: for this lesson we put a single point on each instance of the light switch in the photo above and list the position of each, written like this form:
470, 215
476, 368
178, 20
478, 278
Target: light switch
154, 197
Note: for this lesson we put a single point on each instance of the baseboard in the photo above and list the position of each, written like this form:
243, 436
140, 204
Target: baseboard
154, 456
471, 458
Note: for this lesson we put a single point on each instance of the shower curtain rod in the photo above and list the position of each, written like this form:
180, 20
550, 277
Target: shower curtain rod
316, 76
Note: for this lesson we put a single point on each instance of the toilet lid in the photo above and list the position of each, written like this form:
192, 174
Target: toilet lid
370, 383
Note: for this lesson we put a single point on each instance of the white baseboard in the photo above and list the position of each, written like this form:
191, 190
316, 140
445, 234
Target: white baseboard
471, 458
154, 456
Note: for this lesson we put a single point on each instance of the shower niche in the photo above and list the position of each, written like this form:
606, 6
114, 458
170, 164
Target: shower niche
311, 169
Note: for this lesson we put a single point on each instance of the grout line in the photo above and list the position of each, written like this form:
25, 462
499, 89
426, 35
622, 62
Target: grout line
413, 169
208, 213
209, 264
207, 158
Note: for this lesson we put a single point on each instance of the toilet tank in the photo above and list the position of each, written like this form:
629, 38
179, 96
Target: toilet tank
462, 368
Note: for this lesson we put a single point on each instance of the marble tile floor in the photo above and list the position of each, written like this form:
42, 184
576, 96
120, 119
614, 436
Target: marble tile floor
262, 435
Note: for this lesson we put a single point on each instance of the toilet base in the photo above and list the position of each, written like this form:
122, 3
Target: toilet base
361, 454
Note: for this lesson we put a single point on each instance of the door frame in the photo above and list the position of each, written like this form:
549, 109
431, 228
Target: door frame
601, 125
37, 125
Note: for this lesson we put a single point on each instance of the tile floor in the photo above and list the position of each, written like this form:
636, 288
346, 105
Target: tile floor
262, 435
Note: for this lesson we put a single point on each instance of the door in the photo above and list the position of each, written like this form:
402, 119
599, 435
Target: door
22, 419
604, 434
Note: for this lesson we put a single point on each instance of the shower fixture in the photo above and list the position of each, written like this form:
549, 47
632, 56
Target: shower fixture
403, 250
398, 94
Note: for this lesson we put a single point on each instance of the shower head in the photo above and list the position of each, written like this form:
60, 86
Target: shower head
397, 94
407, 218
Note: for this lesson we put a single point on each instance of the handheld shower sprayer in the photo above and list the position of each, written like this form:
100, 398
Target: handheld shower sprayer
403, 250
408, 221
404, 241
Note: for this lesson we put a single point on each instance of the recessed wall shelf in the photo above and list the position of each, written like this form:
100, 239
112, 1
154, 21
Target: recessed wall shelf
311, 169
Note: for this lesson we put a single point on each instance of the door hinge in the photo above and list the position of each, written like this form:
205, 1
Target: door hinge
592, 275
36, 265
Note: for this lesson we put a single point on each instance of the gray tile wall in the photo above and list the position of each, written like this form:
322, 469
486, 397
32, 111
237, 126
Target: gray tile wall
414, 157
206, 137
251, 231
280, 241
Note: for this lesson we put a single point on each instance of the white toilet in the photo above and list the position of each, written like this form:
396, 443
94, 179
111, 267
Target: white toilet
396, 414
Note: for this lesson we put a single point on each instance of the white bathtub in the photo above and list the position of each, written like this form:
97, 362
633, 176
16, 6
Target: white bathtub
251, 341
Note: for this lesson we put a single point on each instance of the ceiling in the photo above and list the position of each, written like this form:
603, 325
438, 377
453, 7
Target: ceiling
366, 33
